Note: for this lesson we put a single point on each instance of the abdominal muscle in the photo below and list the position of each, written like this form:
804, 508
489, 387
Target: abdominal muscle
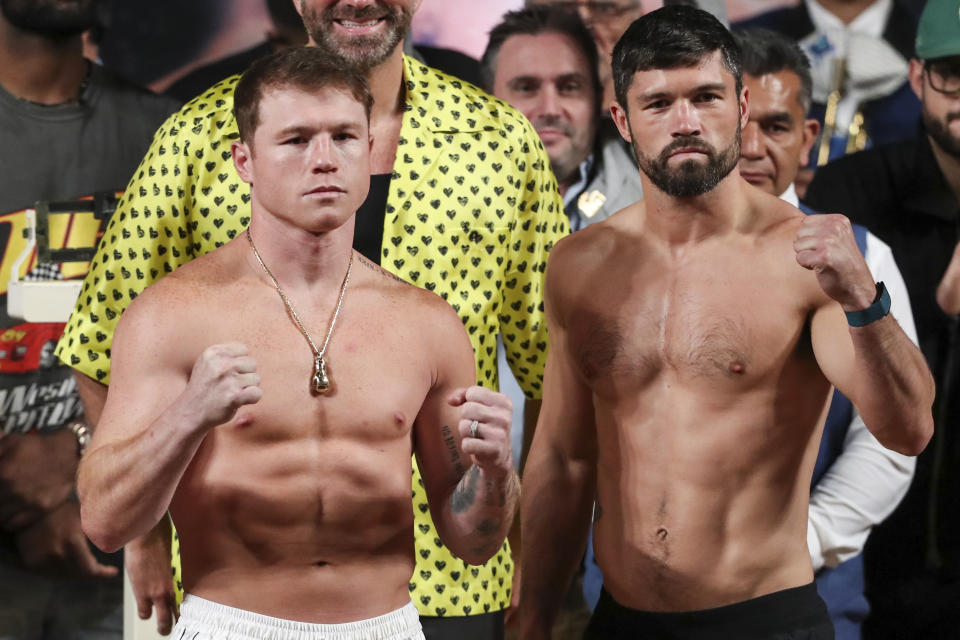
302, 529
704, 506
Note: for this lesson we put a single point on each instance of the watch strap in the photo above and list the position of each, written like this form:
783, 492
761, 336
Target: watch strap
877, 310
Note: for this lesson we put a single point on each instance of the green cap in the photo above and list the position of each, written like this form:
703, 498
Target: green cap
938, 34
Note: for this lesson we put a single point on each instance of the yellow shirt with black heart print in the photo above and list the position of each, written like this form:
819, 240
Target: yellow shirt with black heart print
471, 214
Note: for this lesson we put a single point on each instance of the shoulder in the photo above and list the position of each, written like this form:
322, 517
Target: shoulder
118, 90
172, 298
452, 105
391, 289
581, 255
208, 117
774, 221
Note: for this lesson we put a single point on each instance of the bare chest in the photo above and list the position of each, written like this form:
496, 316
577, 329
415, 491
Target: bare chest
704, 326
377, 375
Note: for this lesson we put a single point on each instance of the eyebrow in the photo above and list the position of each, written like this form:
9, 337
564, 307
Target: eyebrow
777, 116
710, 86
301, 129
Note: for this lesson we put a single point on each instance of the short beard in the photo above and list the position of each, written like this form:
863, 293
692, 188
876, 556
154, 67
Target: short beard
691, 178
565, 167
940, 132
50, 18
361, 53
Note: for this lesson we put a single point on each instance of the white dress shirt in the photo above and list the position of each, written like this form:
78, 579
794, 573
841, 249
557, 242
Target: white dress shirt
867, 481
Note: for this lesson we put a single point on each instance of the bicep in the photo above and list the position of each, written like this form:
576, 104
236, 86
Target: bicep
567, 425
436, 432
833, 346
146, 376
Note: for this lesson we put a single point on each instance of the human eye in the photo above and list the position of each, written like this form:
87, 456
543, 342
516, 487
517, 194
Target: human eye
525, 86
570, 87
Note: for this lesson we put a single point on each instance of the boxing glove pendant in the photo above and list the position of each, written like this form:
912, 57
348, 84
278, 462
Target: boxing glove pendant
321, 383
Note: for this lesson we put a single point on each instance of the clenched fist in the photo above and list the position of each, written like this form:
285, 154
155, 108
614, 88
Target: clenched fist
826, 245
224, 378
489, 443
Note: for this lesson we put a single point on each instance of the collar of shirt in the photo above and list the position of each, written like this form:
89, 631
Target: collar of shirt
573, 192
872, 21
790, 196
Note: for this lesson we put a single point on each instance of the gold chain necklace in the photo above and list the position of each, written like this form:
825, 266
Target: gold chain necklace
320, 382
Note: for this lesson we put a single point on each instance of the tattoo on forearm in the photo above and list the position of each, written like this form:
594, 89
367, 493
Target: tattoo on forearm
496, 497
452, 447
465, 494
488, 527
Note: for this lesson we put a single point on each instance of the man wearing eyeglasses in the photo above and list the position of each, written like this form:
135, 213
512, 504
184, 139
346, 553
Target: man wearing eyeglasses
908, 194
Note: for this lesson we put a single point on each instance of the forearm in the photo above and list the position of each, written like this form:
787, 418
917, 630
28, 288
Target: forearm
555, 518
479, 513
125, 487
894, 388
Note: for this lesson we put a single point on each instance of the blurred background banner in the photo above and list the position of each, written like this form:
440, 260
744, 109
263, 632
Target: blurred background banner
157, 43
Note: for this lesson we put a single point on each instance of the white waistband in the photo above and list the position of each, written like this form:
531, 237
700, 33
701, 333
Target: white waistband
203, 619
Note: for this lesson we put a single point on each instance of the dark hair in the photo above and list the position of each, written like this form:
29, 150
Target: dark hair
764, 51
283, 14
305, 68
670, 38
534, 21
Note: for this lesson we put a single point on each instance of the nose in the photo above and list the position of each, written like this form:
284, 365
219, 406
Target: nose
548, 100
322, 156
751, 144
686, 121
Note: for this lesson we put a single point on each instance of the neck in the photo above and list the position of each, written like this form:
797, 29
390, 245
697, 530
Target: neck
949, 167
300, 260
846, 10
686, 221
386, 87
38, 68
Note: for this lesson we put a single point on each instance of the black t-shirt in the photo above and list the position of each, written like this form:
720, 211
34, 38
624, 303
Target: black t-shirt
368, 231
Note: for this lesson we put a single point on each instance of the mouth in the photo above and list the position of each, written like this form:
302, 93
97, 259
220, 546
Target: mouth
549, 134
325, 191
688, 153
360, 27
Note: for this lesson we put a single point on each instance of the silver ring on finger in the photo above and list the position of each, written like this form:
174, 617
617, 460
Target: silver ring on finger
474, 427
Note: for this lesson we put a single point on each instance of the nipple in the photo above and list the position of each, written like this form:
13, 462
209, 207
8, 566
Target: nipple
243, 419
737, 367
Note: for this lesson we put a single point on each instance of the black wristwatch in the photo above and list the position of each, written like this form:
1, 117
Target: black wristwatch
82, 431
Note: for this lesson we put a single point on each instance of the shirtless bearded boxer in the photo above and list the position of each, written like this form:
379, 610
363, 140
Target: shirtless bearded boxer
272, 392
687, 393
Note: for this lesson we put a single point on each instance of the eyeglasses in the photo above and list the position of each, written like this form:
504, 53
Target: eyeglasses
944, 77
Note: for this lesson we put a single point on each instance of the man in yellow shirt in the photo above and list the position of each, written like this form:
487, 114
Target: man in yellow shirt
462, 202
